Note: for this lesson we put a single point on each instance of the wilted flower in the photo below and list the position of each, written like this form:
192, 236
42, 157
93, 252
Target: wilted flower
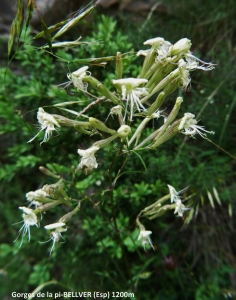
174, 195
180, 208
144, 236
184, 74
188, 126
29, 219
47, 122
193, 63
88, 159
131, 93
55, 234
116, 110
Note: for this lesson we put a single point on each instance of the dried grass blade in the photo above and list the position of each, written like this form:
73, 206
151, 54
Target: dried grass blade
76, 19
12, 36
69, 103
30, 9
19, 18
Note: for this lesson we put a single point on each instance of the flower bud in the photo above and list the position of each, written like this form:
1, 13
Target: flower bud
124, 131
103, 143
182, 46
101, 88
48, 173
70, 214
101, 126
119, 65
47, 206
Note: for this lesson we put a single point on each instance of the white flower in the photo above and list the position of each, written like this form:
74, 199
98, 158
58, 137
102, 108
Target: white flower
184, 74
116, 110
174, 195
182, 46
144, 236
77, 78
30, 196
188, 126
180, 208
155, 42
34, 197
55, 234
159, 45
157, 114
29, 219
47, 122
193, 63
143, 52
88, 159
131, 93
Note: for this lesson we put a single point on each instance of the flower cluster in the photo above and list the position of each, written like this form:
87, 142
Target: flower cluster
132, 103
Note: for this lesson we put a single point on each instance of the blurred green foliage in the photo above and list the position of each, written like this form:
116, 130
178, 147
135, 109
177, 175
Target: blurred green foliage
197, 262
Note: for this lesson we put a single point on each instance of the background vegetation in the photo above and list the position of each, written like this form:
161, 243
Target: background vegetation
195, 256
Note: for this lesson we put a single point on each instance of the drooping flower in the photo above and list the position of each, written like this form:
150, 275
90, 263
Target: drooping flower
29, 219
131, 93
194, 63
116, 110
180, 208
174, 195
76, 78
191, 63
88, 158
188, 126
47, 122
144, 236
55, 234
184, 74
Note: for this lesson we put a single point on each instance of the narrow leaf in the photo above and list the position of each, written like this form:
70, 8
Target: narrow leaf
72, 111
139, 156
210, 199
69, 103
47, 33
76, 19
216, 195
51, 29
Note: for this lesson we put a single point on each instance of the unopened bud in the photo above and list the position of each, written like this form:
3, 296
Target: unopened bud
48, 173
70, 214
182, 46
124, 131
101, 126
119, 65
101, 88
106, 142
47, 206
